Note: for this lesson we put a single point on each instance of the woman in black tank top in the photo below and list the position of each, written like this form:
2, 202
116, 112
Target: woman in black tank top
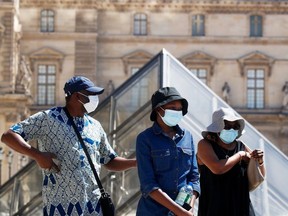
222, 161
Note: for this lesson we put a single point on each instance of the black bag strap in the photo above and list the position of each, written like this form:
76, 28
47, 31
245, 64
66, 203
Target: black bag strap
86, 152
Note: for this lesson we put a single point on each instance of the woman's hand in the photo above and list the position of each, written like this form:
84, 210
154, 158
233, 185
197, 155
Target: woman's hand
258, 155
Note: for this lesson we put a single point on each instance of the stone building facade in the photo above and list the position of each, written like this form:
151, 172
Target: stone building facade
241, 43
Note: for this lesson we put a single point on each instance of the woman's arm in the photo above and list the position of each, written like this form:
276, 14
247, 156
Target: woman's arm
162, 198
208, 157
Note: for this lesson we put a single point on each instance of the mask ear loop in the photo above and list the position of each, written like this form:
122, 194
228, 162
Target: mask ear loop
159, 113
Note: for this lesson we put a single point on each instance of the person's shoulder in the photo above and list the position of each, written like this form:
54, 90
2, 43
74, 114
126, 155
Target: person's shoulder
146, 132
92, 120
204, 142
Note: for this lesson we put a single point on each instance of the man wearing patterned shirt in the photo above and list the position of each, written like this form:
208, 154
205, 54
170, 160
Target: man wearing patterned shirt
69, 186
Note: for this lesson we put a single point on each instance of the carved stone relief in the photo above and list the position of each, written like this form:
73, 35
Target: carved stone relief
199, 58
138, 58
256, 58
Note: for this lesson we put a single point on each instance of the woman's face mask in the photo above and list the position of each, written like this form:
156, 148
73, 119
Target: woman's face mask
228, 136
171, 117
92, 104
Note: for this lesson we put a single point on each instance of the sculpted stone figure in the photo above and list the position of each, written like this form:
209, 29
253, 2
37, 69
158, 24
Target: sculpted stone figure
225, 92
285, 98
25, 75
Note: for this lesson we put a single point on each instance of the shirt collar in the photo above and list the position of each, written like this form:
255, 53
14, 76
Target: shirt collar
158, 130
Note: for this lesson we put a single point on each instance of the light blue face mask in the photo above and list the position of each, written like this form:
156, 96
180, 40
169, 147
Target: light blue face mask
171, 117
228, 136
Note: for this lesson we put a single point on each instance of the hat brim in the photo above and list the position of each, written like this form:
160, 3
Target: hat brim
153, 115
95, 90
217, 127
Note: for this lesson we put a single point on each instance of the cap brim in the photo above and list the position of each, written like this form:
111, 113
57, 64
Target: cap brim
95, 90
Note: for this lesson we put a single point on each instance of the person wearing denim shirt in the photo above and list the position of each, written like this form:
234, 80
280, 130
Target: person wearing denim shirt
166, 157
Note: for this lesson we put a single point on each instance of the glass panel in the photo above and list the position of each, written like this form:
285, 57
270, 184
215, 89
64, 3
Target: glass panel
260, 73
194, 71
250, 83
41, 79
126, 104
51, 95
202, 73
5, 201
41, 95
259, 83
29, 187
251, 73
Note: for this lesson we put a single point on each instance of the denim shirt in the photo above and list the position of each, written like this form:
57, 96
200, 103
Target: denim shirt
166, 164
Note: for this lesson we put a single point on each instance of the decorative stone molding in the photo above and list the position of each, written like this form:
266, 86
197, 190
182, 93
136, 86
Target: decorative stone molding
256, 59
138, 57
223, 6
46, 55
199, 58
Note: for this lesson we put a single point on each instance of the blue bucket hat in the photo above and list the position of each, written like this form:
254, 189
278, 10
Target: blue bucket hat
79, 83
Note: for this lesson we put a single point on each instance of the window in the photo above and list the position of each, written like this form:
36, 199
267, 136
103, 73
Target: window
256, 26
139, 93
201, 73
198, 25
47, 21
140, 24
46, 84
255, 88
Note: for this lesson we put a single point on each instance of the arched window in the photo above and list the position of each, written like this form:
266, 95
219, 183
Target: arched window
140, 24
47, 21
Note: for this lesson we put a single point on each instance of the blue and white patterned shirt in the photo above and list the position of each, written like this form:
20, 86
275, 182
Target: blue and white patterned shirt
74, 190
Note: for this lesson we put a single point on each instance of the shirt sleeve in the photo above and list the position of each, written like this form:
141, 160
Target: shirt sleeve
193, 175
30, 128
146, 174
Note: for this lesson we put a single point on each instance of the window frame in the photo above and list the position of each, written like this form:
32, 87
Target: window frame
46, 64
47, 21
255, 102
256, 28
198, 68
141, 23
200, 27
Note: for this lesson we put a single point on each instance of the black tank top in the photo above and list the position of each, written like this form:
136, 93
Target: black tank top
225, 194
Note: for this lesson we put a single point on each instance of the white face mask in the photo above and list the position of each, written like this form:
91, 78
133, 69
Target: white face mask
92, 104
171, 117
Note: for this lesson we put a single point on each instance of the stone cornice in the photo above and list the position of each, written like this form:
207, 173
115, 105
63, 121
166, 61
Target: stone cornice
59, 36
193, 40
205, 6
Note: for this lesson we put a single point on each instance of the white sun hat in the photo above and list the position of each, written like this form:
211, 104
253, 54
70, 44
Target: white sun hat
218, 118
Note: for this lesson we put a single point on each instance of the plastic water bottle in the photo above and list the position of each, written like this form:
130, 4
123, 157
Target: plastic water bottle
184, 197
